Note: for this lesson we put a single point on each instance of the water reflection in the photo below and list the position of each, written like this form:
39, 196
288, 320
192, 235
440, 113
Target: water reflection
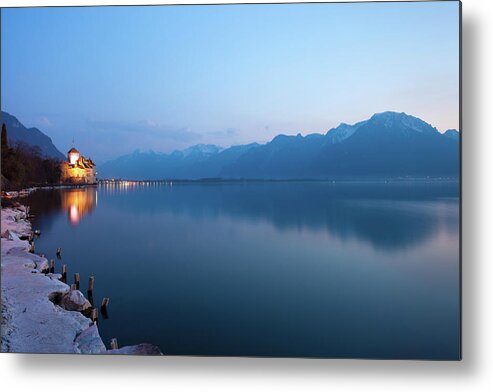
47, 204
78, 202
271, 269
389, 216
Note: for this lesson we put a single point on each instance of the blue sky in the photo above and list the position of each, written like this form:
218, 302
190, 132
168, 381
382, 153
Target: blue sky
123, 78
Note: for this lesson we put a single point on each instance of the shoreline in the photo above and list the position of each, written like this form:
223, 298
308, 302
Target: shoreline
23, 192
30, 320
286, 180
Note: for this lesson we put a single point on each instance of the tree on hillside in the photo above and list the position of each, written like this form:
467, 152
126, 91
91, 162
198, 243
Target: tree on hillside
23, 165
5, 147
4, 137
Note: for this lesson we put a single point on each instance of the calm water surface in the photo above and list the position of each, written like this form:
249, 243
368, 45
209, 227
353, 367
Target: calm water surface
266, 269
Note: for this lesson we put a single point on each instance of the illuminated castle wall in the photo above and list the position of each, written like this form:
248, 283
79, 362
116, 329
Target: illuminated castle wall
77, 169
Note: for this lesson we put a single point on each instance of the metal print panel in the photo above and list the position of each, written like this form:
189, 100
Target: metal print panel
269, 180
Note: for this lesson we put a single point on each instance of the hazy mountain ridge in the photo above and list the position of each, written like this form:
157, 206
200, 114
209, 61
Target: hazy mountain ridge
17, 132
199, 161
389, 144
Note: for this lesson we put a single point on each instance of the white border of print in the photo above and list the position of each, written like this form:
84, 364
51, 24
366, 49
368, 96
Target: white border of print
473, 373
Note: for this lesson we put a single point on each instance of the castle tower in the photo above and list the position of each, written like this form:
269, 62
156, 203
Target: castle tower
73, 156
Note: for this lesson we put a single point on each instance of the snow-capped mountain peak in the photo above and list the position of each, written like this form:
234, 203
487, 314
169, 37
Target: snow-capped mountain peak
402, 121
343, 132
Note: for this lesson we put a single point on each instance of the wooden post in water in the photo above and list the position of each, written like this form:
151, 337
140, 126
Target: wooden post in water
104, 308
90, 287
114, 344
52, 266
90, 298
104, 304
64, 273
77, 280
73, 287
94, 314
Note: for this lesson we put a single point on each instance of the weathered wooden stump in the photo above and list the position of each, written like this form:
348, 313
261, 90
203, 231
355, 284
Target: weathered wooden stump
104, 308
94, 314
64, 273
114, 344
105, 302
90, 286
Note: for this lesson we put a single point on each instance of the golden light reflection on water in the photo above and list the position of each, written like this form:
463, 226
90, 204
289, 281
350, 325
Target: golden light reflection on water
78, 203
126, 186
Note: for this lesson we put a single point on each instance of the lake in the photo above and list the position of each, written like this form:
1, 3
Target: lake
282, 269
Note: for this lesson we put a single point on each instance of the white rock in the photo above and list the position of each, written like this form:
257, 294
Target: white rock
139, 349
74, 300
54, 276
31, 323
89, 341
42, 264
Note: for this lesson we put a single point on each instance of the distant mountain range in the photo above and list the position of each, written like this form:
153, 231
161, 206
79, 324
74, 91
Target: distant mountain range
17, 132
387, 145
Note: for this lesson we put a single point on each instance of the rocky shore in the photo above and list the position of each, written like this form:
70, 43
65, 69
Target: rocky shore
40, 313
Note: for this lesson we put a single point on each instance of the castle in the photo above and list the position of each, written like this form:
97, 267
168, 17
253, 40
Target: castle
77, 169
